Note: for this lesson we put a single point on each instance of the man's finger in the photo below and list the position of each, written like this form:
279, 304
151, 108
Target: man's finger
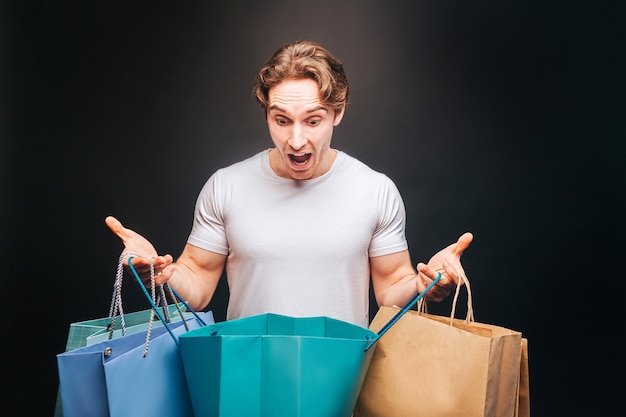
462, 243
115, 225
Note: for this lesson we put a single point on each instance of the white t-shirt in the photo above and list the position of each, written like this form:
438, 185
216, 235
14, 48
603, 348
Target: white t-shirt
299, 248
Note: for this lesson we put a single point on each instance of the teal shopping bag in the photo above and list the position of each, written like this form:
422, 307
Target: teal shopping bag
135, 322
88, 332
272, 365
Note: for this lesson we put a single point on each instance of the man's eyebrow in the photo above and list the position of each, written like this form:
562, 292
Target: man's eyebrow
312, 110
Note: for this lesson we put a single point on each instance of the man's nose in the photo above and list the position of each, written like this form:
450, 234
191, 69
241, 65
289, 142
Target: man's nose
298, 138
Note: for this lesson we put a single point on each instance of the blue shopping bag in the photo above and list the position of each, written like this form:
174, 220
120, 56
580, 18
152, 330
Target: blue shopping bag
115, 379
88, 332
279, 366
136, 375
118, 323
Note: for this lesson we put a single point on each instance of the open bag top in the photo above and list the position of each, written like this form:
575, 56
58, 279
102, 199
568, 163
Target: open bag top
267, 325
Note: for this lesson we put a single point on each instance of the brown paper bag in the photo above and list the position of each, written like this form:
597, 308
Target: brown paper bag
523, 391
431, 366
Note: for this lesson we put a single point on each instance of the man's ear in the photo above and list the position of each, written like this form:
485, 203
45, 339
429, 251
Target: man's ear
339, 115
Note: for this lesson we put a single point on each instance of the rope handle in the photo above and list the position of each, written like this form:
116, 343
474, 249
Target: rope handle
116, 299
470, 309
155, 308
116, 308
414, 299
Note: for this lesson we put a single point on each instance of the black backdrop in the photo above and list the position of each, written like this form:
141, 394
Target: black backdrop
502, 118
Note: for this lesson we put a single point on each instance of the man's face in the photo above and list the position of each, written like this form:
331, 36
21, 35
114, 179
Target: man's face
301, 128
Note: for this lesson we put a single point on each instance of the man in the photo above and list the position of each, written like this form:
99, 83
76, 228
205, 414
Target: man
300, 227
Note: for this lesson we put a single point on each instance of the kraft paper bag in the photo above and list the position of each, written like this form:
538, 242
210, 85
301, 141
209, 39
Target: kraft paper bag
523, 403
434, 366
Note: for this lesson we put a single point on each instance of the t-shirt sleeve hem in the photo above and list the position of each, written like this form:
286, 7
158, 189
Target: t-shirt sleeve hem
387, 250
207, 246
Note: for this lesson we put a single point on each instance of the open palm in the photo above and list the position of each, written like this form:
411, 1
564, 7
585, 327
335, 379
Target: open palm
448, 259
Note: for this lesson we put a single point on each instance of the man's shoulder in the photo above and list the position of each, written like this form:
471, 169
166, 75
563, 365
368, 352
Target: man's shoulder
244, 166
252, 160
352, 165
242, 170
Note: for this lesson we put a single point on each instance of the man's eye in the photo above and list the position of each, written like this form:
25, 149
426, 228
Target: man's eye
281, 122
314, 122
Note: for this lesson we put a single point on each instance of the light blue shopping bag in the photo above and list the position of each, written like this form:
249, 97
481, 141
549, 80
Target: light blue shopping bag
128, 364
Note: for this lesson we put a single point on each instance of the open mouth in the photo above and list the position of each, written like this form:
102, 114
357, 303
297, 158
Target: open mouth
300, 159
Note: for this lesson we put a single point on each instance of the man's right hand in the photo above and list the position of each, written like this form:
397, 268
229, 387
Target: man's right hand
135, 243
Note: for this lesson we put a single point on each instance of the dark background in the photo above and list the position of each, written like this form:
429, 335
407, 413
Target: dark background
502, 118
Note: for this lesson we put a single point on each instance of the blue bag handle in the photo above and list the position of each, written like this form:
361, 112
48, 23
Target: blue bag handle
154, 306
412, 301
117, 311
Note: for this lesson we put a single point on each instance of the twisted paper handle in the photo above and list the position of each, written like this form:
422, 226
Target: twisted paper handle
470, 310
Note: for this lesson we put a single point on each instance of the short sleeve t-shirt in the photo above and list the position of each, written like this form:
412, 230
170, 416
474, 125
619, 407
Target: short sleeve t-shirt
299, 248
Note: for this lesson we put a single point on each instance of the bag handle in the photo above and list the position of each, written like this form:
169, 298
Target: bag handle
176, 296
422, 305
116, 300
418, 296
116, 308
470, 309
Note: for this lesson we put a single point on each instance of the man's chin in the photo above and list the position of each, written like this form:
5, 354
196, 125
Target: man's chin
300, 176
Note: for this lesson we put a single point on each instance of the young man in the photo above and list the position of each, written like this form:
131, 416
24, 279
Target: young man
300, 227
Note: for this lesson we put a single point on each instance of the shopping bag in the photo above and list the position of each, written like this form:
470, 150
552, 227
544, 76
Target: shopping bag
114, 379
117, 323
523, 391
135, 322
272, 365
88, 332
139, 374
432, 366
